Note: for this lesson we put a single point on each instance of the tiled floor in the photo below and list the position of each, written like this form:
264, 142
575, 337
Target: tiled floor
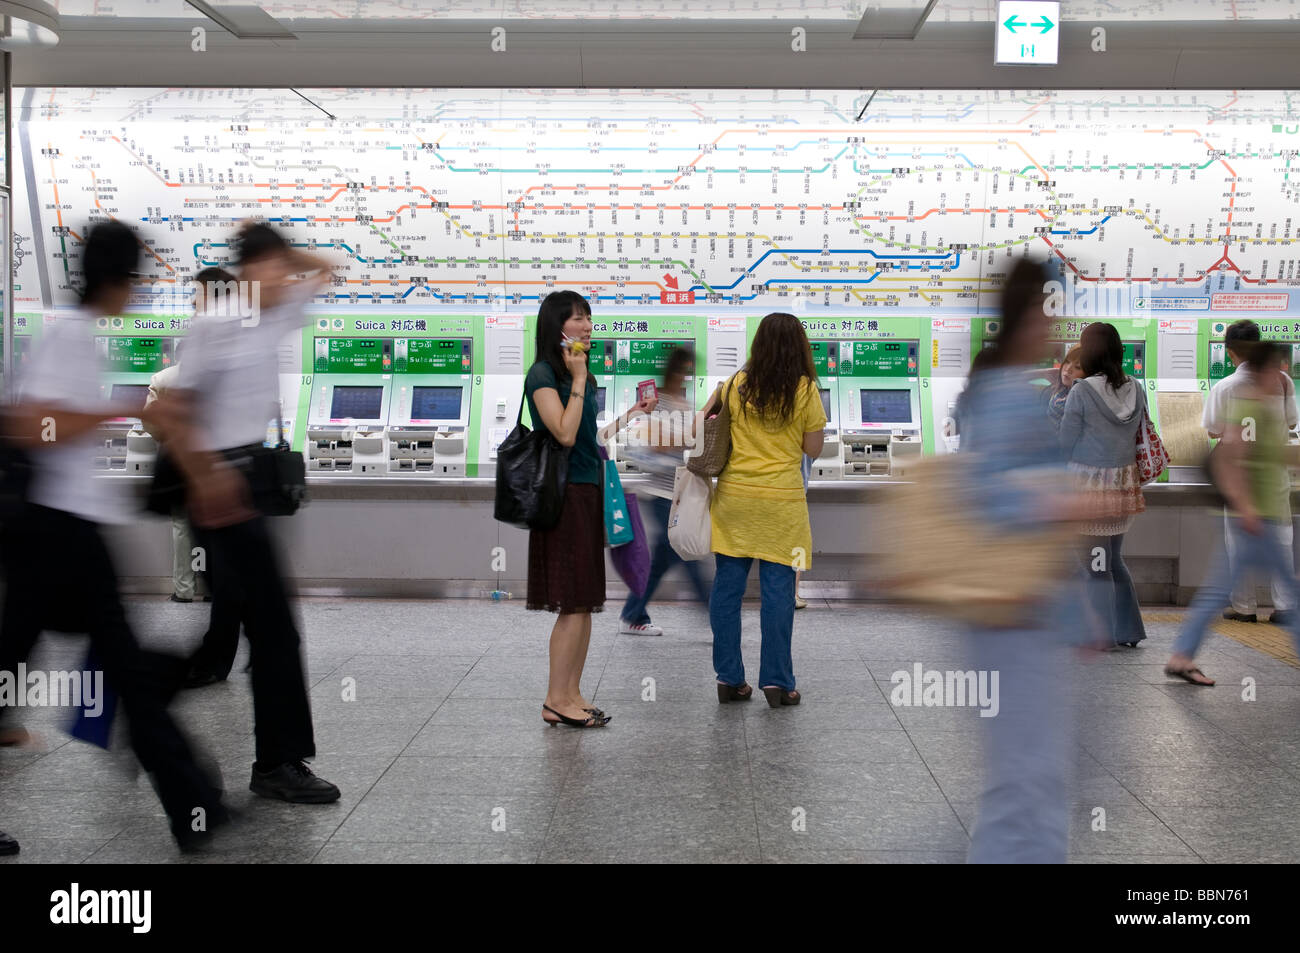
442, 755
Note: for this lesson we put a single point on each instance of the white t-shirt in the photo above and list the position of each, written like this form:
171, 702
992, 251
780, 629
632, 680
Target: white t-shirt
66, 371
1216, 406
233, 370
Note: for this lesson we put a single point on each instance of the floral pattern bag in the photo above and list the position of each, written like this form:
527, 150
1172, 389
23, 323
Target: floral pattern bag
1152, 458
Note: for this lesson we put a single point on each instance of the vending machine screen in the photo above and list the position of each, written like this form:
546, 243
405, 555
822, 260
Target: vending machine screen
133, 394
435, 403
356, 403
886, 406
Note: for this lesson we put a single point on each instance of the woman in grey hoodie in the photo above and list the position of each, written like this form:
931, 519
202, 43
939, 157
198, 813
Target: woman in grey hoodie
1099, 439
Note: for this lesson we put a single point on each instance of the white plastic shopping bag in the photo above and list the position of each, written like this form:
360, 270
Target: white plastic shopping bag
689, 532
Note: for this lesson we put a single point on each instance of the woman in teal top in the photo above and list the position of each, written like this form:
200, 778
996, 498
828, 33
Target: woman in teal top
566, 564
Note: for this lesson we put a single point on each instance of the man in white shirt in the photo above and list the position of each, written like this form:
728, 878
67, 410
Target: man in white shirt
56, 422
230, 383
1244, 608
184, 580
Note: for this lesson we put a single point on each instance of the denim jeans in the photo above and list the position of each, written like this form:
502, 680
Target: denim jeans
1243, 593
776, 592
1262, 554
664, 558
1023, 815
1110, 590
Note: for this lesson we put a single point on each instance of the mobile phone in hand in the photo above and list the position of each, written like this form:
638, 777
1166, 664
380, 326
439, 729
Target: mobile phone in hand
646, 390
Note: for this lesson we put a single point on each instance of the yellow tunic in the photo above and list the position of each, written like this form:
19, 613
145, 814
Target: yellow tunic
760, 508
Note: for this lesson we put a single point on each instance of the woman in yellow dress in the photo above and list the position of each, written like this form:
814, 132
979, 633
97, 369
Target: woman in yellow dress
760, 510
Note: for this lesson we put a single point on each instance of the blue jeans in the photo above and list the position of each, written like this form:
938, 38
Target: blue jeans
1262, 553
1110, 590
665, 557
776, 592
1024, 806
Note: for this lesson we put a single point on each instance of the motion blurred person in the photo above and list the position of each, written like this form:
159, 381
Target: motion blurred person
1242, 606
1099, 439
566, 564
760, 510
1014, 459
61, 407
1250, 467
185, 581
666, 434
230, 384
215, 656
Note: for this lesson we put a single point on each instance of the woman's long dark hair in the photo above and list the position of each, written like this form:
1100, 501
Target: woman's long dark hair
779, 358
557, 307
1103, 353
1025, 287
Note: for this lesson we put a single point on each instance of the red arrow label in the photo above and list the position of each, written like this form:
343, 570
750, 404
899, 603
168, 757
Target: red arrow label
670, 281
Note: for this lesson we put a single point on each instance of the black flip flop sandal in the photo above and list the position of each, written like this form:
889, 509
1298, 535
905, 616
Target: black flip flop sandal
1186, 675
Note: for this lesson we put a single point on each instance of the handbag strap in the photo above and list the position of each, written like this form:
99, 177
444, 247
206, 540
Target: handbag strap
726, 398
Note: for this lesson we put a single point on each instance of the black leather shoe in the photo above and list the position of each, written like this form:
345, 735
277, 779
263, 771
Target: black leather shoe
176, 598
1282, 616
8, 846
1233, 616
293, 782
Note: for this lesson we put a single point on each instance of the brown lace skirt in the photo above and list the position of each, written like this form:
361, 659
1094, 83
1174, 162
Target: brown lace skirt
566, 564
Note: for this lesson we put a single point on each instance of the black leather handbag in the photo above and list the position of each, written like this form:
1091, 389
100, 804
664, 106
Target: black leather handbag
277, 478
532, 471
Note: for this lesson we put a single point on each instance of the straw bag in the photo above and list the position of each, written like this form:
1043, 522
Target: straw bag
957, 565
714, 444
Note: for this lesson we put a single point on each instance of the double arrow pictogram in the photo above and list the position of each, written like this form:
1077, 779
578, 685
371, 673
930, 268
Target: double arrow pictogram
1011, 23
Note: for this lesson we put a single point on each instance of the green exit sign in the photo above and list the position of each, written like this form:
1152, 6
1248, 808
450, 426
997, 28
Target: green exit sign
1027, 32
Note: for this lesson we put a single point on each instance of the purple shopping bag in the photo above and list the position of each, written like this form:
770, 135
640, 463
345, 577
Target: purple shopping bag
632, 560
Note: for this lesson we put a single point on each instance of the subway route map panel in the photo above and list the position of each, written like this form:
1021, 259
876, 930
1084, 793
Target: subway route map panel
804, 201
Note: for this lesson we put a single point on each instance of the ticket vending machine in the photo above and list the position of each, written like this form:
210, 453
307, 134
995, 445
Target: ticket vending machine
628, 351
1139, 338
128, 364
880, 407
433, 391
618, 365
1214, 365
829, 464
347, 414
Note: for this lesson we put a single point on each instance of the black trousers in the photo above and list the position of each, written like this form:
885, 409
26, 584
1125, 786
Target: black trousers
216, 654
60, 576
242, 560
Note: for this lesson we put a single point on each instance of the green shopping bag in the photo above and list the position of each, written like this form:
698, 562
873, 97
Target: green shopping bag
618, 522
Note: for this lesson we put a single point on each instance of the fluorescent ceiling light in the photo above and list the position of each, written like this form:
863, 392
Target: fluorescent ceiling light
247, 23
895, 20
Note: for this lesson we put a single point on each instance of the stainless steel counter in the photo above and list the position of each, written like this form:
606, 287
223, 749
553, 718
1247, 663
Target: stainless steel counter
478, 489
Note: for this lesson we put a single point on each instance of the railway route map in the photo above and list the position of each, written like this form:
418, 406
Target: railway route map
819, 200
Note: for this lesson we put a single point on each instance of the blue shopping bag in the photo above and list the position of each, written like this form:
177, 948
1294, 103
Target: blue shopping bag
95, 729
618, 521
